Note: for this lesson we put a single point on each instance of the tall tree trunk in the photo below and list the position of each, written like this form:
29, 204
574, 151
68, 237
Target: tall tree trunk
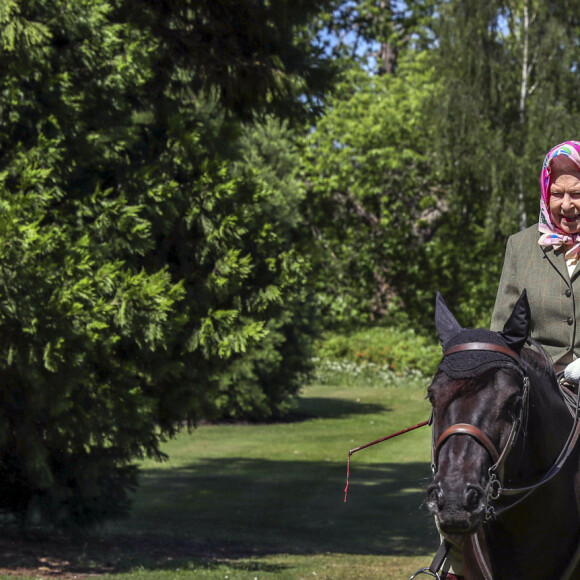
388, 57
524, 88
387, 53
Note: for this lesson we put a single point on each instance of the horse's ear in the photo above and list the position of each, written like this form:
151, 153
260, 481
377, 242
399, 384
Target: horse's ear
516, 329
447, 326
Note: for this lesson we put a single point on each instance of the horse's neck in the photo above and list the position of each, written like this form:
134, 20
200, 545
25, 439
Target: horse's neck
515, 540
547, 424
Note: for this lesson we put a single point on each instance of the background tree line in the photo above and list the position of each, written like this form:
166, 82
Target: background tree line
191, 191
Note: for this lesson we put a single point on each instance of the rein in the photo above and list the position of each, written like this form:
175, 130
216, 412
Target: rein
361, 447
554, 469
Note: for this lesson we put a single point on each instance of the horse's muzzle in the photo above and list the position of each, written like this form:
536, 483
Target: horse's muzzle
460, 509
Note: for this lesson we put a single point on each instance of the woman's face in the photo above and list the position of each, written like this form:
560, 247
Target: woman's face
565, 199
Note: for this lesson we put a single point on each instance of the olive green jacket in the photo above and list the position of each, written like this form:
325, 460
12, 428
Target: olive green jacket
551, 293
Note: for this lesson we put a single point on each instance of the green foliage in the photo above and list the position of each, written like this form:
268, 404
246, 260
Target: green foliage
370, 177
502, 100
373, 33
416, 178
255, 56
149, 277
383, 350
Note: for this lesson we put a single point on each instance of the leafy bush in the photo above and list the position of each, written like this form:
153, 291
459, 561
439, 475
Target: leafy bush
400, 351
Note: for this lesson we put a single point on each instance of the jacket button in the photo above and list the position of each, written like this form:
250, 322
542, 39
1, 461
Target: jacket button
570, 320
568, 292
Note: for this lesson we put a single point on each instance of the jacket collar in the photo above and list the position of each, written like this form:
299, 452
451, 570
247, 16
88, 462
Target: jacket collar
558, 260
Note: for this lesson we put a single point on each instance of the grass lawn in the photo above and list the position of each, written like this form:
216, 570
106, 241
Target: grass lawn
247, 501
266, 501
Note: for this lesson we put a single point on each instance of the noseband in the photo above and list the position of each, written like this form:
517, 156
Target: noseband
494, 487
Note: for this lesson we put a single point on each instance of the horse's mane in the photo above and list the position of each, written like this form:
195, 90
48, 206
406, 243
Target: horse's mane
535, 358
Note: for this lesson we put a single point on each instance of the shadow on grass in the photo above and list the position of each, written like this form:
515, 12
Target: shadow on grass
226, 512
317, 408
222, 511
250, 507
45, 554
329, 408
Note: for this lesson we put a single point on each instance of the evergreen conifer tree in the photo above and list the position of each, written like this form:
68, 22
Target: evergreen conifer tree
147, 273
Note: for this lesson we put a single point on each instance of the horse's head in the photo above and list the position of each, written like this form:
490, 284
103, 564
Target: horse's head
476, 396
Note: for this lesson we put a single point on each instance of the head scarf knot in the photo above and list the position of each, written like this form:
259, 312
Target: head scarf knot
552, 235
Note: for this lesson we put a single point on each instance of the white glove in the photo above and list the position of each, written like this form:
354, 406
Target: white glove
572, 372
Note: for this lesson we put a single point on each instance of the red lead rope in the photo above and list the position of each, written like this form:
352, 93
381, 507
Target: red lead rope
374, 443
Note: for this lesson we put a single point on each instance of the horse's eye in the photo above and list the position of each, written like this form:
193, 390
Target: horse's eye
513, 404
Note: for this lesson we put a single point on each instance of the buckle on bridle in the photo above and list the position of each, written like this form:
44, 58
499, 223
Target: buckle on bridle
494, 487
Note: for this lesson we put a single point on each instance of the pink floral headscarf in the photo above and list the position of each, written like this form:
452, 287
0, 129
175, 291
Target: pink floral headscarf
552, 235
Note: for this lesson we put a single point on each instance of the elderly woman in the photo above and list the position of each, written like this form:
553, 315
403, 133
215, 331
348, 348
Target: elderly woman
543, 259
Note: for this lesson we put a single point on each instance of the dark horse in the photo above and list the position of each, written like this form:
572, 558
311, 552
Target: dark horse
506, 482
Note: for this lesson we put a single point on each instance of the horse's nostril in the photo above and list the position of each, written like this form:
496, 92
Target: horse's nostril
435, 495
472, 498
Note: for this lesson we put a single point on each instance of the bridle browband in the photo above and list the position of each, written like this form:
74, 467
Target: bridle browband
486, 346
